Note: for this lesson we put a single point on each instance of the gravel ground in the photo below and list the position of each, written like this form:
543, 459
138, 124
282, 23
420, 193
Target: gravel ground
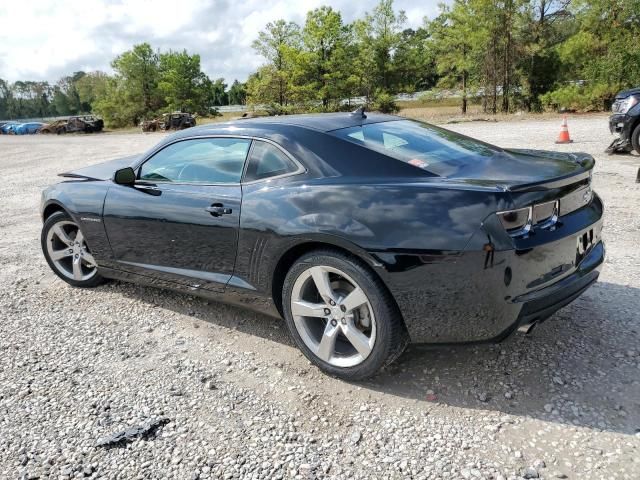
235, 399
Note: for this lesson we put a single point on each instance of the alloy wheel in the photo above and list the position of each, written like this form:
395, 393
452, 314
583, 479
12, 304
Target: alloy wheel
69, 252
333, 316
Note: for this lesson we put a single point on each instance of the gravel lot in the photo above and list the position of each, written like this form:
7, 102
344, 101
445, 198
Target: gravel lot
239, 401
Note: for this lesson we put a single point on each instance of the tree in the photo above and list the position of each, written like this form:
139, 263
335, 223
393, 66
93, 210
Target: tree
182, 84
597, 60
452, 32
138, 71
327, 42
90, 87
379, 35
414, 62
66, 97
277, 44
5, 99
546, 24
237, 93
218, 92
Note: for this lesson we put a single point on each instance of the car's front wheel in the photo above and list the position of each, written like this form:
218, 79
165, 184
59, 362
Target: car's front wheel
67, 252
341, 316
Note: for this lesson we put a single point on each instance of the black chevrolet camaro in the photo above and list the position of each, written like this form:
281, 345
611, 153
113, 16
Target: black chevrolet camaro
363, 231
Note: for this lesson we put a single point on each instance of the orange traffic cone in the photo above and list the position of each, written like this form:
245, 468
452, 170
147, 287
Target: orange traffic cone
564, 132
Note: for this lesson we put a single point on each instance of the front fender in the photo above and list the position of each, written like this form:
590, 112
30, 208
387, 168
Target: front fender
84, 202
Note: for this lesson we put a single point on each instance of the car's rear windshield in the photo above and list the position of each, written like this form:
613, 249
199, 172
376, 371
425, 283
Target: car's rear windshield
436, 150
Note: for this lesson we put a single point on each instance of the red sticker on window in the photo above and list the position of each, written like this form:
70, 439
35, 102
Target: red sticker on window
417, 163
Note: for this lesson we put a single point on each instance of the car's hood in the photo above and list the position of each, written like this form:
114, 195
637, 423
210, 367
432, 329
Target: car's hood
626, 93
520, 169
102, 171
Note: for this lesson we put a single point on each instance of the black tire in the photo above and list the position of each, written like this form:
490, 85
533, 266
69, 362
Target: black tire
55, 218
635, 139
391, 336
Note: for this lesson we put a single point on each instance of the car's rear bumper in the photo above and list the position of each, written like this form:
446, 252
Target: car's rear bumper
540, 305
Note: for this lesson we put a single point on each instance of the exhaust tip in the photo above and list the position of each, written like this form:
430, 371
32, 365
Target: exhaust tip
526, 328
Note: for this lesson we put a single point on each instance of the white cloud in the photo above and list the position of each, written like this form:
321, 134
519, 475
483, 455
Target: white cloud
44, 39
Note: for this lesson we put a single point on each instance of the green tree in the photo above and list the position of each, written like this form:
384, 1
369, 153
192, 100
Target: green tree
90, 87
5, 99
545, 25
414, 62
138, 73
182, 83
237, 93
378, 36
218, 92
327, 42
601, 57
66, 97
452, 33
277, 44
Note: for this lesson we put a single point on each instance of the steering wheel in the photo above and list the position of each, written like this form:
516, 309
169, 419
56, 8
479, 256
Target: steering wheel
190, 172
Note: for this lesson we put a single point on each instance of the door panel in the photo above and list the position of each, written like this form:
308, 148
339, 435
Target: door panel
172, 233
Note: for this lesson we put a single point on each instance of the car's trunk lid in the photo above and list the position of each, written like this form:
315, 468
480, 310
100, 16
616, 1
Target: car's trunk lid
520, 170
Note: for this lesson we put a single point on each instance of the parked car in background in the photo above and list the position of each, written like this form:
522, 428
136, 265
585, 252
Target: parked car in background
58, 127
169, 121
6, 128
150, 125
364, 232
28, 128
625, 121
84, 123
177, 121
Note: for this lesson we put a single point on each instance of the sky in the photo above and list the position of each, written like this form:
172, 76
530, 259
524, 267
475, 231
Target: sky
46, 39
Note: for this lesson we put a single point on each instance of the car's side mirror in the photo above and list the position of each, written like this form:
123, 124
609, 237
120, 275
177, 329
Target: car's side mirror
125, 176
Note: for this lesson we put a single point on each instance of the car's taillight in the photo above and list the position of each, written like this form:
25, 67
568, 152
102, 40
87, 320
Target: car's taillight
516, 222
545, 215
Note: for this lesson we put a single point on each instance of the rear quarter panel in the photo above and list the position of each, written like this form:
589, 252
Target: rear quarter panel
413, 235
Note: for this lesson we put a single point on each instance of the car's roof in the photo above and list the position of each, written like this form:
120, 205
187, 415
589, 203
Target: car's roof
323, 122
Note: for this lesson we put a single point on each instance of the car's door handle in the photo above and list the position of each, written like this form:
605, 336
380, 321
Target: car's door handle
218, 209
149, 188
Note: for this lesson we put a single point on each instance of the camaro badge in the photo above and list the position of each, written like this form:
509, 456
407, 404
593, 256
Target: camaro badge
89, 219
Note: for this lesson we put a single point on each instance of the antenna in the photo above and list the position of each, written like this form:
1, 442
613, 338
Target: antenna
359, 112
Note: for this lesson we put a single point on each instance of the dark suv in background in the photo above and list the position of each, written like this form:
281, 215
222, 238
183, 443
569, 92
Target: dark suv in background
625, 121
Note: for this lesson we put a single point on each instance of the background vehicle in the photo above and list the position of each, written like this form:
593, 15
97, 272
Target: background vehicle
177, 121
28, 128
84, 123
58, 127
169, 121
363, 232
625, 121
6, 127
150, 125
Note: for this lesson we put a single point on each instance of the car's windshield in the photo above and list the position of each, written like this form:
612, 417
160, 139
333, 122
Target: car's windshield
434, 149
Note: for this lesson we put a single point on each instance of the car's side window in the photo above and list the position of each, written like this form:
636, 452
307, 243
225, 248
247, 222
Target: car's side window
266, 161
201, 160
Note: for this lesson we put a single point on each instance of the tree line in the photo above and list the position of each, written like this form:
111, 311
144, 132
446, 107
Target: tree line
145, 83
505, 55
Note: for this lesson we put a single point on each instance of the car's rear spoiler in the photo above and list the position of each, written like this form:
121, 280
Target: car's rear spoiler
585, 160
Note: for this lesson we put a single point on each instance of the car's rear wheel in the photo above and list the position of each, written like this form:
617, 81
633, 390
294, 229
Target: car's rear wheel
635, 139
67, 252
341, 316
